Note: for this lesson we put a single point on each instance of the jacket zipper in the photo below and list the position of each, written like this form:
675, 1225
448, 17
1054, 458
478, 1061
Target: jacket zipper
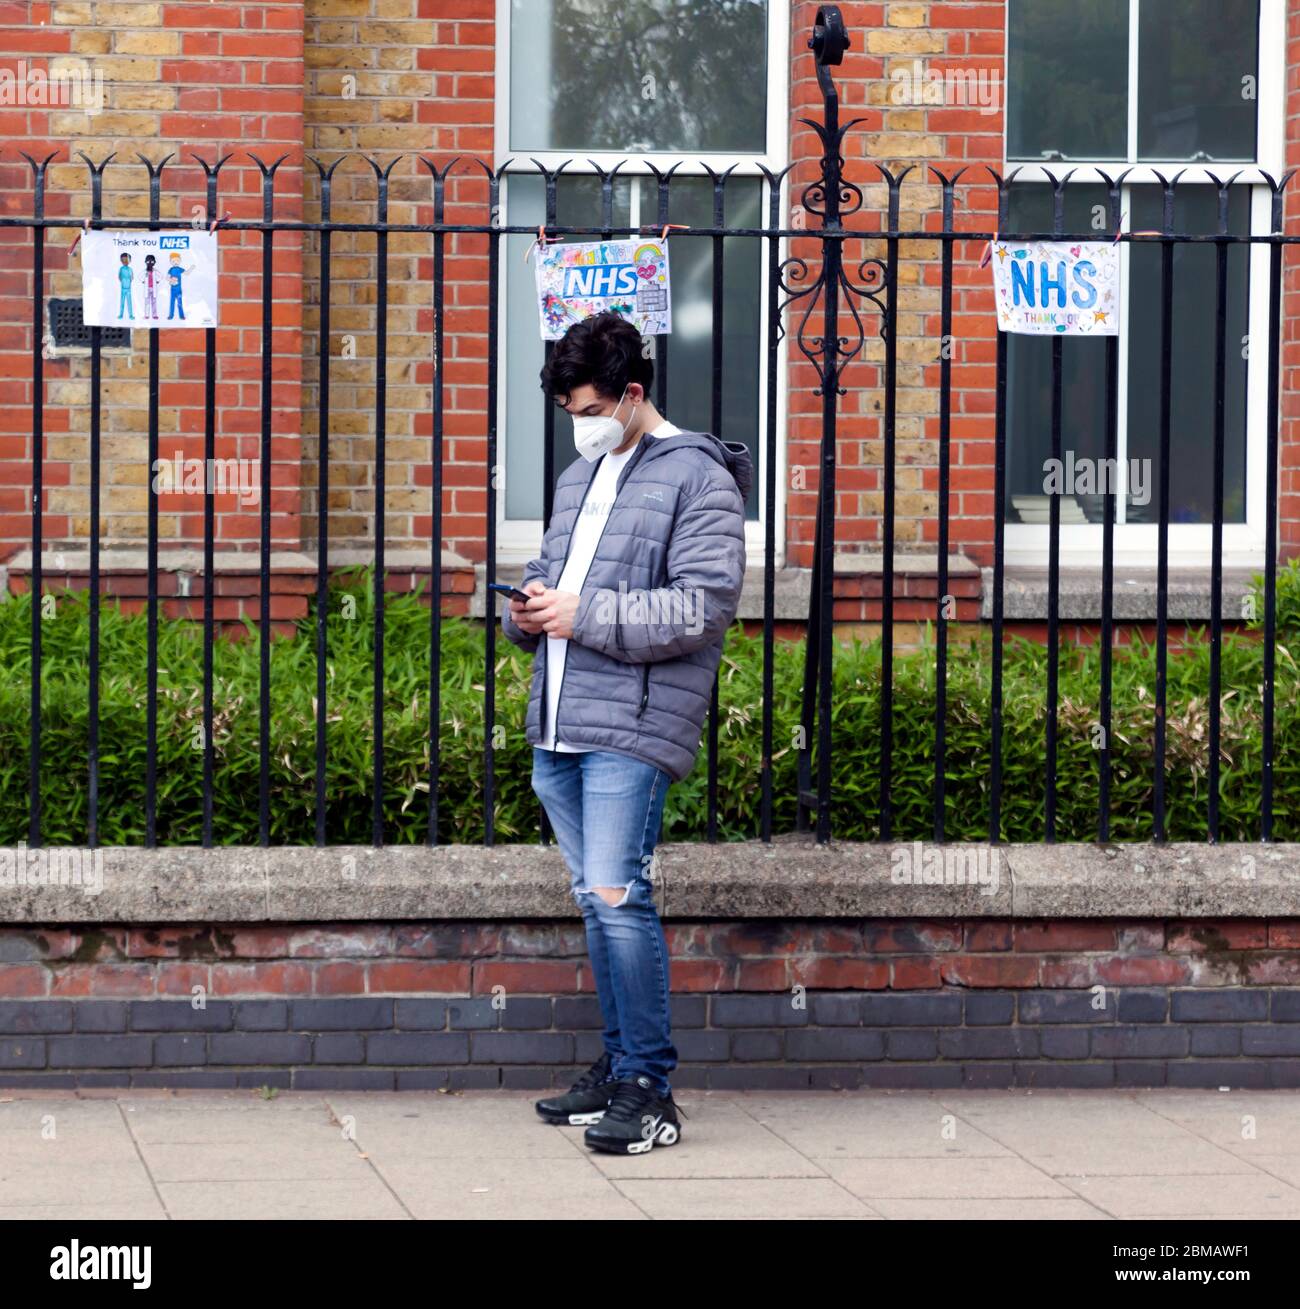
645, 668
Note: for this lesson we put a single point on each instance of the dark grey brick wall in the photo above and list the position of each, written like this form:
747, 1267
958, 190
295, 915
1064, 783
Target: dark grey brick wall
1134, 1037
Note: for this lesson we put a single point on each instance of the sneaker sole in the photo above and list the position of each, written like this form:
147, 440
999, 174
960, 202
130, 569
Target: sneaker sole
667, 1134
588, 1119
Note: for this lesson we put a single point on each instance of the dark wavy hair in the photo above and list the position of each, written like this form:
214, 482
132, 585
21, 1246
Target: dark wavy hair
605, 351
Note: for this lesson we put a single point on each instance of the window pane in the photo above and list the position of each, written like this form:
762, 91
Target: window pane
676, 75
577, 204
1198, 68
1067, 79
1191, 486
687, 349
690, 344
1029, 383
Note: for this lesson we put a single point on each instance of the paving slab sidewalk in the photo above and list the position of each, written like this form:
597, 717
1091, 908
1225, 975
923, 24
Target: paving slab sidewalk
483, 1154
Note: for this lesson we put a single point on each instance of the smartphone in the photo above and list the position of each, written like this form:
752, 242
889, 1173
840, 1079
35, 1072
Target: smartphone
512, 592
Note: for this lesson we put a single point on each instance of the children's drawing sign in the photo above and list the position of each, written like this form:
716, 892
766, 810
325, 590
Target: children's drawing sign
1057, 288
577, 281
149, 279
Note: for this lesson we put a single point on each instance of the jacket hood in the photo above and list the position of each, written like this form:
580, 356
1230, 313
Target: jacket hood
732, 455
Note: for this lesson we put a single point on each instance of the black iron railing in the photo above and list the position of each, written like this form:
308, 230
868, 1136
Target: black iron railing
826, 292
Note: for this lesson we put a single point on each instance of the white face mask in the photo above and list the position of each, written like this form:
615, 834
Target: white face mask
598, 435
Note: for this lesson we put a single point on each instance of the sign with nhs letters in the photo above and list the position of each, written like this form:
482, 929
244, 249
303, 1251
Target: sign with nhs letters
150, 279
1057, 288
578, 280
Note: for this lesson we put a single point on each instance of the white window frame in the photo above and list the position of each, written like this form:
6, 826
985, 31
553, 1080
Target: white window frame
518, 539
1190, 545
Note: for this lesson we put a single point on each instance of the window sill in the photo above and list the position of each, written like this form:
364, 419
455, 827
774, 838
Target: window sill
1025, 594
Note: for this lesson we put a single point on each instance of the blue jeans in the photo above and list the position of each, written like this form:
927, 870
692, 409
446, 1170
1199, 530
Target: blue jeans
606, 810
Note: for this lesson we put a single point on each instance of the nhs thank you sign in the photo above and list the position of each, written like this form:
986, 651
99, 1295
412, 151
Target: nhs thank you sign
628, 278
1057, 288
149, 279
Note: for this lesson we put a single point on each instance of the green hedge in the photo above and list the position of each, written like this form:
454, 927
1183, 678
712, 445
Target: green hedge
856, 735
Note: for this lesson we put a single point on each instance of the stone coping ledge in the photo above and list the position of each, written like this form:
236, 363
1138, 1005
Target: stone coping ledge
791, 590
790, 878
904, 565
1135, 594
791, 586
132, 559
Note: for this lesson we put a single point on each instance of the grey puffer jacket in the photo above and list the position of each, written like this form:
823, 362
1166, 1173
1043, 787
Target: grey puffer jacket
661, 592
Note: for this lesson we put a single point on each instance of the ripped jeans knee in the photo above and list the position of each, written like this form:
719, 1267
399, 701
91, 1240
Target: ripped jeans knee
635, 893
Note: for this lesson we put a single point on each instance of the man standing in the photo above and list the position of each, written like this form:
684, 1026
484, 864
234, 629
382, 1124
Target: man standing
638, 580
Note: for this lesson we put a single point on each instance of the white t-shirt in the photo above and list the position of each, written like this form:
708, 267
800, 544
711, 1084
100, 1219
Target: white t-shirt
592, 517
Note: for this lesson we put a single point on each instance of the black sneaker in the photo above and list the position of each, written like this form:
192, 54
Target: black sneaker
638, 1119
584, 1102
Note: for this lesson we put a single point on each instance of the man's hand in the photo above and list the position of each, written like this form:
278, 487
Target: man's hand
526, 620
555, 611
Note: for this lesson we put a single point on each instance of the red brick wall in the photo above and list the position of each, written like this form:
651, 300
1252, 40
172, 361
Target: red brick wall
463, 68
208, 78
221, 76
830, 1005
882, 36
1289, 471
470, 958
970, 35
389, 77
